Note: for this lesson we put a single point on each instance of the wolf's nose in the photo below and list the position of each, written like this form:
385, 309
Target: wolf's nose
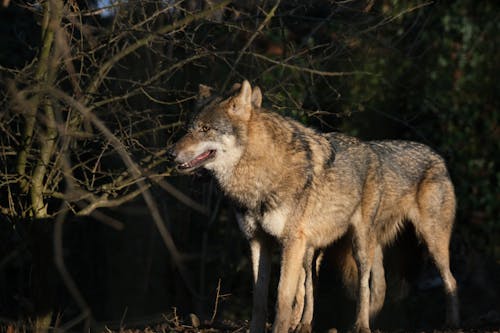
171, 154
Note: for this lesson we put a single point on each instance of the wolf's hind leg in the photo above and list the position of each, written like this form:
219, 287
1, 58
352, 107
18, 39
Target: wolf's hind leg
437, 243
298, 304
363, 250
305, 325
307, 316
434, 224
377, 283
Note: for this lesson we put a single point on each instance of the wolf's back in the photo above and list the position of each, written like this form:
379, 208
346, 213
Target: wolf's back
407, 158
401, 163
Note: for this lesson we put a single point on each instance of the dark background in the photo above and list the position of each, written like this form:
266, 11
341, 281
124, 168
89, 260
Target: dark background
95, 255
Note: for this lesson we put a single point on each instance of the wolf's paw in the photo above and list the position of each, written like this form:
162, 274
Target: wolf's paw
359, 329
452, 320
303, 328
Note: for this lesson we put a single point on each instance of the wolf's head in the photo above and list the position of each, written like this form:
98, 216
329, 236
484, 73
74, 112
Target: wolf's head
217, 134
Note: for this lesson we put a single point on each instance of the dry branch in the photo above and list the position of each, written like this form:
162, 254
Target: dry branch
136, 173
106, 67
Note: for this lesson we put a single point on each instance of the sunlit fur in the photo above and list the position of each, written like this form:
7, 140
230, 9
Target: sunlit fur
307, 189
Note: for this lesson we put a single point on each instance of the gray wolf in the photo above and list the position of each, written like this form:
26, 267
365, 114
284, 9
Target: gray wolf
307, 189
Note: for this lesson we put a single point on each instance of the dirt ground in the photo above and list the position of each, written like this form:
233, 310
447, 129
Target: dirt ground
420, 311
233, 327
490, 323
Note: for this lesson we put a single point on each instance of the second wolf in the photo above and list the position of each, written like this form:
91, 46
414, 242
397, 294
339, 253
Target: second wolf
307, 189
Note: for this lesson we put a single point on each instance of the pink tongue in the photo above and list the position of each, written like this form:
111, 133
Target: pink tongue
202, 156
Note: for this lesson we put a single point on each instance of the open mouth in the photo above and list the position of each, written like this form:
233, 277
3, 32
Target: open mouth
197, 162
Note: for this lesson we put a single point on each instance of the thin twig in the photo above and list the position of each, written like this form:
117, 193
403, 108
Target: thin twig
249, 42
306, 69
136, 173
395, 17
65, 275
216, 305
106, 67
179, 195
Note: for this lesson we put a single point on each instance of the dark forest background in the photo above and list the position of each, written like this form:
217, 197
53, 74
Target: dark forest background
96, 230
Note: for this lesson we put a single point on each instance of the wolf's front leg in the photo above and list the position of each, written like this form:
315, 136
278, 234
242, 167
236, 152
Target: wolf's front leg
307, 315
261, 265
364, 249
291, 266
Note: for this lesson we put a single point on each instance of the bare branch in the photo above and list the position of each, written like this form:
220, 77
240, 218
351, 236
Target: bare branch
136, 173
106, 67
307, 70
250, 41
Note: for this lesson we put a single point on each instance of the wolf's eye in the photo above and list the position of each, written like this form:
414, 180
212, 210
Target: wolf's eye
204, 128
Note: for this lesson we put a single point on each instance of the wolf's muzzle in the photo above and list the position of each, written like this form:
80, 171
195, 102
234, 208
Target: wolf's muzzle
171, 154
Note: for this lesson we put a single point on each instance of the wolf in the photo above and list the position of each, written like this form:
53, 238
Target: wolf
307, 189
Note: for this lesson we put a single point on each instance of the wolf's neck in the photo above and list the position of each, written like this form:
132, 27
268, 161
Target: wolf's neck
262, 164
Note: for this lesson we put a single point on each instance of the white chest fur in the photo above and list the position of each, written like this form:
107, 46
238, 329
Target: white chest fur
274, 221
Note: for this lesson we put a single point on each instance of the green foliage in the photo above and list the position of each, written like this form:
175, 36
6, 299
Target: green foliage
435, 75
470, 123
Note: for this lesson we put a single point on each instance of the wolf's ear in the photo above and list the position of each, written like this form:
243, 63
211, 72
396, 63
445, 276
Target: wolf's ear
235, 87
204, 93
245, 95
242, 102
256, 97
